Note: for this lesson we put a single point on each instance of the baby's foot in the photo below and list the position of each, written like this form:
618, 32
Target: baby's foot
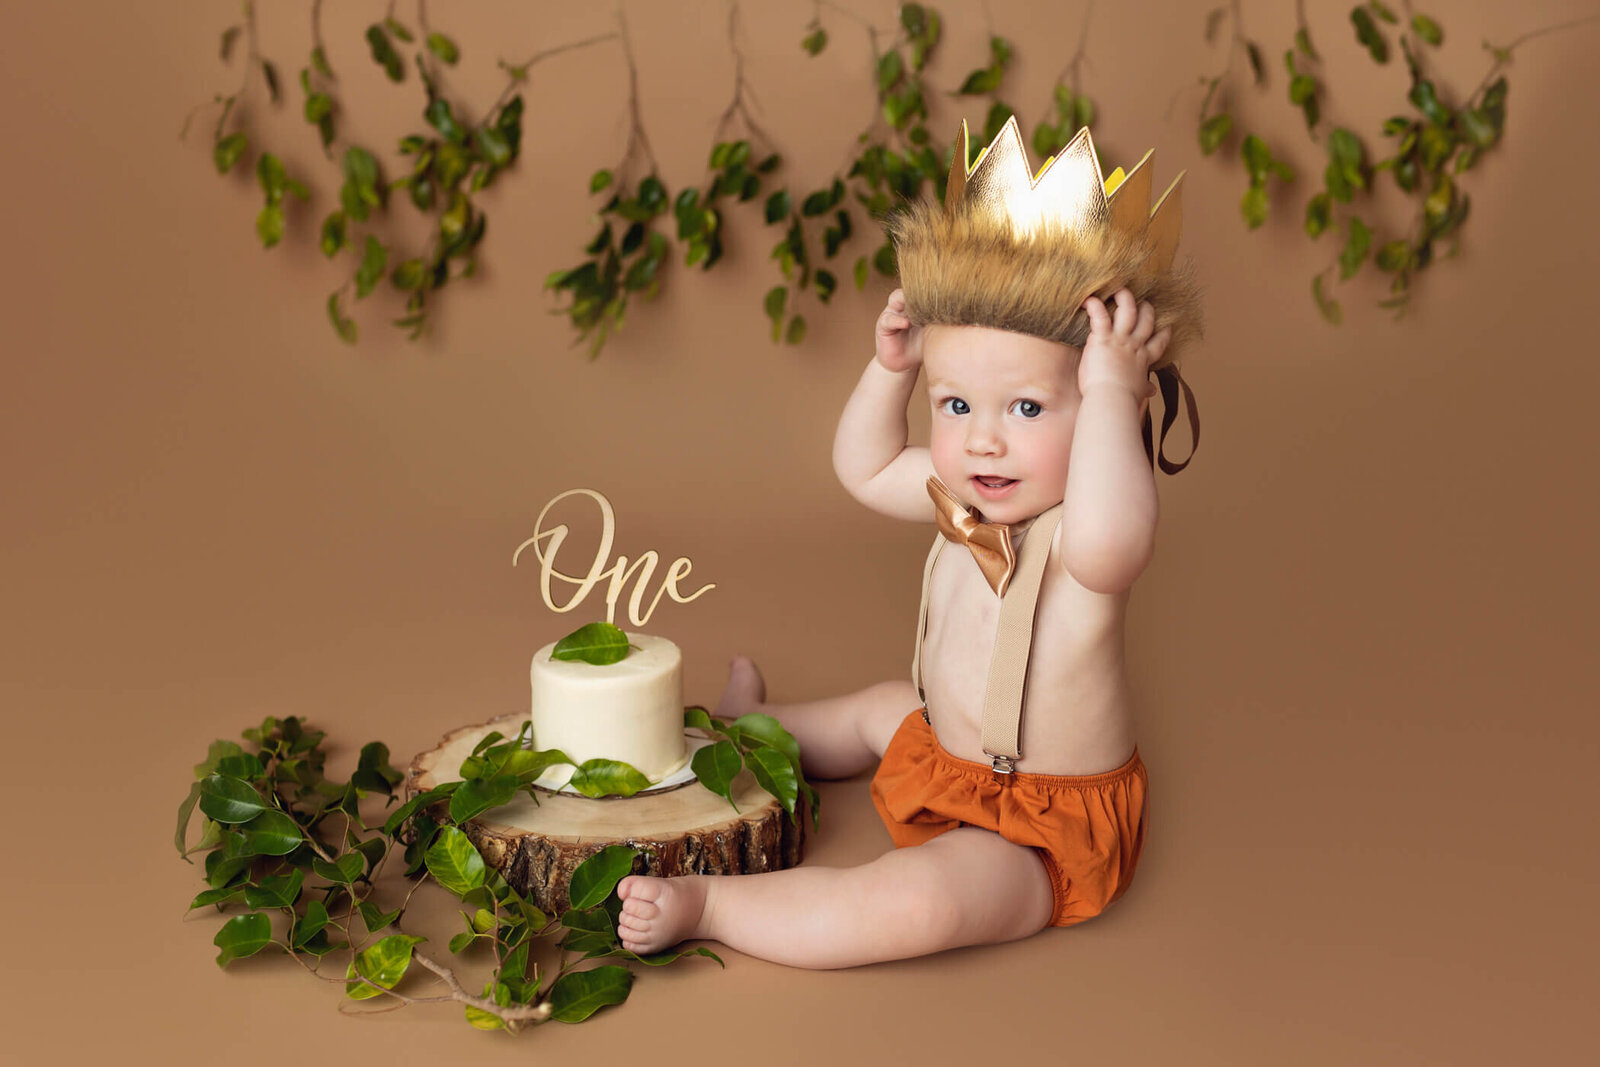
745, 692
657, 913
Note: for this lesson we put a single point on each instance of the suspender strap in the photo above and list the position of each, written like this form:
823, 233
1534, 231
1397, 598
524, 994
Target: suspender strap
922, 619
1013, 639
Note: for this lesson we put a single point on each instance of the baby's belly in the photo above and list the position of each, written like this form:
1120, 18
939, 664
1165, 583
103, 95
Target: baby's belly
1076, 719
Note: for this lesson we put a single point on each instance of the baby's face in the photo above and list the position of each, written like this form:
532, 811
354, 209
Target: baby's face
1004, 406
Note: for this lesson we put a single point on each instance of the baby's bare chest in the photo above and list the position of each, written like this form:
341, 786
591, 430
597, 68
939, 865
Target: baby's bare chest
1076, 715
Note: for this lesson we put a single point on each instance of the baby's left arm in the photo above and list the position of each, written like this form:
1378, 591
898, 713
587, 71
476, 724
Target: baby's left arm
1108, 524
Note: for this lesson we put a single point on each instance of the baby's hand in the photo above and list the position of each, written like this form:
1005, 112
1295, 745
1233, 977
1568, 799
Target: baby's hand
1121, 353
899, 340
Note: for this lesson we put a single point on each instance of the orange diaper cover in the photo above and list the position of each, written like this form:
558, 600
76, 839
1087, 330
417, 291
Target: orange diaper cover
1088, 829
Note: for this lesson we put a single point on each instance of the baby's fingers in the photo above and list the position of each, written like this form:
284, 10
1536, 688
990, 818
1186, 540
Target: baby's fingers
1099, 318
1127, 311
897, 300
1157, 345
1146, 324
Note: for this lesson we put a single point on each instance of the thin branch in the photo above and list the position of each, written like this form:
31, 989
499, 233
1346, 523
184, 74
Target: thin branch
741, 87
1081, 56
519, 71
637, 139
1501, 63
521, 1013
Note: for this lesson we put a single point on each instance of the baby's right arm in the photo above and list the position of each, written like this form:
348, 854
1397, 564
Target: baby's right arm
870, 454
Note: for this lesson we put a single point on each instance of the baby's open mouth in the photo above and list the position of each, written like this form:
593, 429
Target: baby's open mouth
992, 482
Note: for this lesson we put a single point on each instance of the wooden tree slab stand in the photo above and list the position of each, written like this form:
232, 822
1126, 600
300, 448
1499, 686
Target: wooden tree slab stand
691, 830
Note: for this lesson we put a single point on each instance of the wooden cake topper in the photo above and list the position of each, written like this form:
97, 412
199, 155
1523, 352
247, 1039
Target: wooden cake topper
618, 573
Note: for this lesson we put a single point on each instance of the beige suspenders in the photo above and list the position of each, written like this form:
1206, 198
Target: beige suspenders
1013, 640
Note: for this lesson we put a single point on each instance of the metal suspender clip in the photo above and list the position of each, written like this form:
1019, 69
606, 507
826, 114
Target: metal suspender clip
1003, 764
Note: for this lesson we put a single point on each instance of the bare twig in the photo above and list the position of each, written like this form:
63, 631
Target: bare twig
1080, 57
1506, 50
743, 94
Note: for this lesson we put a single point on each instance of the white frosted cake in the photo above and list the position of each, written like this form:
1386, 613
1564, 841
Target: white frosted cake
631, 710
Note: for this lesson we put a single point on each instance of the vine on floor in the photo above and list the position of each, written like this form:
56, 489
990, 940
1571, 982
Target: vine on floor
289, 849
1434, 142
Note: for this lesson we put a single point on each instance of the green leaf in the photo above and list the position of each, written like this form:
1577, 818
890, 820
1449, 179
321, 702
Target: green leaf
241, 936
579, 994
345, 327
229, 36
319, 62
769, 730
1330, 308
394, 26
598, 643
185, 812
272, 833
980, 82
219, 751
411, 275
383, 53
439, 117
1393, 256
1427, 101
383, 964
343, 871
774, 302
779, 204
1257, 158
604, 777
1318, 209
269, 225
1083, 111
999, 51
277, 892
1213, 131
397, 818
229, 800
1257, 69
1355, 249
1302, 87
1369, 35
775, 774
890, 68
716, 766
815, 41
375, 919
861, 272
479, 795
1253, 206
1302, 41
310, 924
373, 772
333, 233
216, 896
454, 862
444, 48
373, 263
1427, 29
595, 878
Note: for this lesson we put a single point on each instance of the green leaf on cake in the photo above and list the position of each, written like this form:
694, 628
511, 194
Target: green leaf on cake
606, 777
598, 643
479, 795
597, 876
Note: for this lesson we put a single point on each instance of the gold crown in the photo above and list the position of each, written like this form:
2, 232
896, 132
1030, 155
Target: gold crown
1068, 192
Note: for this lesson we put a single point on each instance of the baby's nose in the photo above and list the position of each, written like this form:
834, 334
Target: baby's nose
983, 441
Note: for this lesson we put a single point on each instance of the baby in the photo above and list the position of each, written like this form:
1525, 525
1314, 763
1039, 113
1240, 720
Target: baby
1015, 776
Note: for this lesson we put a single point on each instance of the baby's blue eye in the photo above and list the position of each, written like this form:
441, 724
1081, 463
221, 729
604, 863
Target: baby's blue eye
955, 406
1028, 409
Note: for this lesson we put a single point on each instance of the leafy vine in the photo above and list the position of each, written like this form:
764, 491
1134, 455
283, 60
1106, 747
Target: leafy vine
1434, 143
450, 158
292, 848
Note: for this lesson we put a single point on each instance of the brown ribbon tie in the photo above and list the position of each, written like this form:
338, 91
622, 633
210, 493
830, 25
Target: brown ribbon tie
989, 542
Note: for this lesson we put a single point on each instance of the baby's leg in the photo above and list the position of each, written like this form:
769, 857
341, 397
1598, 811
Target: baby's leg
840, 736
965, 887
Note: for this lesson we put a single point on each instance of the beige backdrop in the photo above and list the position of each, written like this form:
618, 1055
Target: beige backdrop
1363, 654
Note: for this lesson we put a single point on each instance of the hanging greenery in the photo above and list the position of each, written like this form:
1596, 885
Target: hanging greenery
643, 223
1433, 143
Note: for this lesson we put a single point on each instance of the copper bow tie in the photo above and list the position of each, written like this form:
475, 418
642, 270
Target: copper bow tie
990, 542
